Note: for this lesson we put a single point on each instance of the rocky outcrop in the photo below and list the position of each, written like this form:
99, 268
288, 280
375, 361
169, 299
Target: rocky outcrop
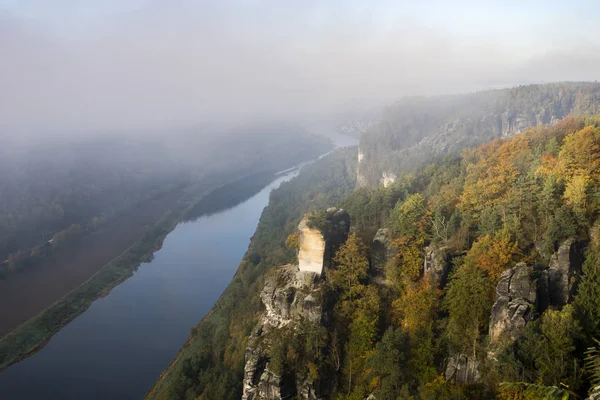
437, 263
318, 240
361, 180
563, 273
516, 295
311, 248
291, 297
381, 251
387, 179
462, 370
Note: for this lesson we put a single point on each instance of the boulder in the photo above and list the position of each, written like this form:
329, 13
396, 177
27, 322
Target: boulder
516, 295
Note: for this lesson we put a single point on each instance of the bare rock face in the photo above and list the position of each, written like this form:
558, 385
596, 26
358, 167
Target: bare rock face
311, 244
563, 273
516, 295
291, 297
381, 251
436, 263
317, 244
388, 178
462, 370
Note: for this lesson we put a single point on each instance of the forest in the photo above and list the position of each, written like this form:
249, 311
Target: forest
398, 331
506, 202
414, 130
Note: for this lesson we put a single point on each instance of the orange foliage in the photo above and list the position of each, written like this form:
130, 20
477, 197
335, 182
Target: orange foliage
493, 255
415, 309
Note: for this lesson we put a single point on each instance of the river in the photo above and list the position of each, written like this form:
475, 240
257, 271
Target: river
121, 344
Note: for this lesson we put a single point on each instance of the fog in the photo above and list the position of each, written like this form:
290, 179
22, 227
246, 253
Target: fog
65, 65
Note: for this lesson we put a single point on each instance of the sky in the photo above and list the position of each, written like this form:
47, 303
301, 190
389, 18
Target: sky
135, 64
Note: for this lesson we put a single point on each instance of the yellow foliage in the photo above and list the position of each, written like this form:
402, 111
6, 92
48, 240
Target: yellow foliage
576, 192
493, 255
549, 165
292, 241
580, 154
415, 309
409, 258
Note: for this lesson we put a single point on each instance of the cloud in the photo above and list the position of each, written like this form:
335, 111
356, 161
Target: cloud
153, 64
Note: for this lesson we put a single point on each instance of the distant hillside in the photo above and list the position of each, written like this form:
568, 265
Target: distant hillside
412, 131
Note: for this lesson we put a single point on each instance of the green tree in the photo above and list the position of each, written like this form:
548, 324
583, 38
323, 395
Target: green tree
388, 364
587, 300
351, 269
404, 218
468, 304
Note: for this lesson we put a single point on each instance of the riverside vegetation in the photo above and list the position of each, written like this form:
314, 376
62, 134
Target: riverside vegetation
490, 286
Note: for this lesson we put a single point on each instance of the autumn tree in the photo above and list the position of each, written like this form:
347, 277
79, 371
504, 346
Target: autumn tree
493, 255
416, 307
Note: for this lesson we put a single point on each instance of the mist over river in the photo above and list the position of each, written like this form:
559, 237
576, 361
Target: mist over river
121, 344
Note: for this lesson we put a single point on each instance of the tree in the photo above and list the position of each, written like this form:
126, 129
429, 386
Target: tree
416, 308
587, 300
468, 304
352, 265
551, 348
387, 364
404, 218
408, 261
292, 241
580, 153
576, 192
493, 255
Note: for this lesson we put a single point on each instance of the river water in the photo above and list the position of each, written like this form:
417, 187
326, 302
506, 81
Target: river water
121, 344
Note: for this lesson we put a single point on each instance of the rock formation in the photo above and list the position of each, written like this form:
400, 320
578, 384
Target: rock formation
293, 299
462, 370
319, 236
436, 263
563, 272
311, 248
381, 251
516, 295
387, 178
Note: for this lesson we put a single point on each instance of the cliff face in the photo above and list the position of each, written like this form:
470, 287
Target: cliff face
413, 131
515, 306
311, 245
294, 317
291, 298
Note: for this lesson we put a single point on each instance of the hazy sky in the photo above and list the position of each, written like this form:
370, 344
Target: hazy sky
133, 63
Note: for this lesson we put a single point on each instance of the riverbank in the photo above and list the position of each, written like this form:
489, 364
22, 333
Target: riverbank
25, 294
35, 333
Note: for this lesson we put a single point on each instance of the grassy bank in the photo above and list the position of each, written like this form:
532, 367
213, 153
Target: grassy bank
35, 333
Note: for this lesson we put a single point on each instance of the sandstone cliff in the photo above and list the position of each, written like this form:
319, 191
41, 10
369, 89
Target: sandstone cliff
294, 317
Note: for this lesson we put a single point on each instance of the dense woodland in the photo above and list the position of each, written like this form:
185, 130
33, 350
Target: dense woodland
491, 207
392, 334
416, 129
60, 187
